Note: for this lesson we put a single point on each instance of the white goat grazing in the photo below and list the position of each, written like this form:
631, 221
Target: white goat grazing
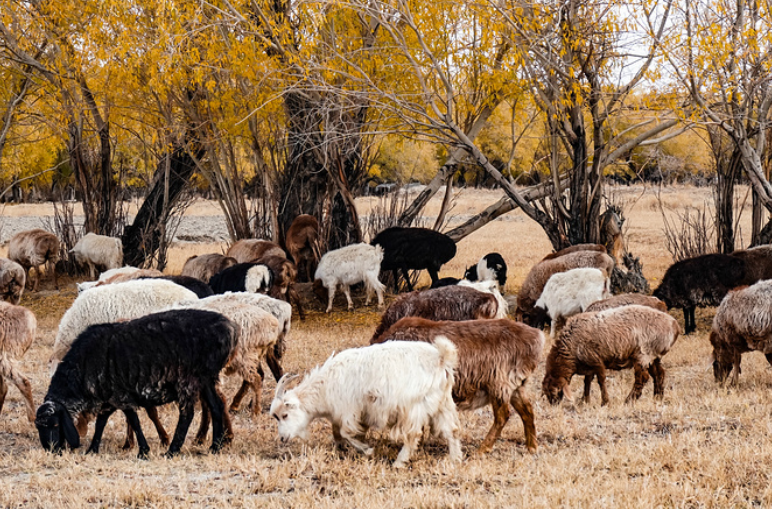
98, 251
347, 266
489, 286
568, 293
111, 303
399, 386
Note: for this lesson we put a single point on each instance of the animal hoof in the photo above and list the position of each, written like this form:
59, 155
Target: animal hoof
144, 455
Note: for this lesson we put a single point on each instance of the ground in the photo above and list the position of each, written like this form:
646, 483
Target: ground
701, 446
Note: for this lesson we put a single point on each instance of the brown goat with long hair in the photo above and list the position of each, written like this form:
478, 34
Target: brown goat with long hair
302, 241
495, 359
249, 250
542, 271
34, 248
285, 274
13, 279
445, 303
204, 266
627, 299
619, 338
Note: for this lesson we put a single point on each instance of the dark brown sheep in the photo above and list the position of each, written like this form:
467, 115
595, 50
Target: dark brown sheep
445, 303
302, 241
495, 359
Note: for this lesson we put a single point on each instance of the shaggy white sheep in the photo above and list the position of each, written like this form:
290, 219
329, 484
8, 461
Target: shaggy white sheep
357, 263
111, 303
94, 251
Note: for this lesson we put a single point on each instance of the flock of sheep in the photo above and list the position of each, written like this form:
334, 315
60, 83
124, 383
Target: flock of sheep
134, 338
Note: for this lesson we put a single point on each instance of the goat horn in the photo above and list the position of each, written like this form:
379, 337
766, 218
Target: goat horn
282, 383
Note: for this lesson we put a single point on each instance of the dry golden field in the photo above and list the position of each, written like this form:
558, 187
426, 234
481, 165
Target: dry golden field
702, 446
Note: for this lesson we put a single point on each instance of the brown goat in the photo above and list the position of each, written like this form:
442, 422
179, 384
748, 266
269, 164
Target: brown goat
13, 278
250, 250
495, 359
626, 299
203, 267
619, 338
454, 303
285, 274
34, 248
573, 249
17, 331
542, 271
302, 242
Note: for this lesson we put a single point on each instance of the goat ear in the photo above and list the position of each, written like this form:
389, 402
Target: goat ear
68, 428
280, 387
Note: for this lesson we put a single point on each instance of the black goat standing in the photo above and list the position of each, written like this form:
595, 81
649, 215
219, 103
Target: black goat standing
153, 360
414, 249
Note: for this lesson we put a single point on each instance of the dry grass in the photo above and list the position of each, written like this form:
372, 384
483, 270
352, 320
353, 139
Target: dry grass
702, 446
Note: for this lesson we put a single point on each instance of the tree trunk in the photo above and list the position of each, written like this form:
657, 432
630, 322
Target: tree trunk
143, 238
727, 170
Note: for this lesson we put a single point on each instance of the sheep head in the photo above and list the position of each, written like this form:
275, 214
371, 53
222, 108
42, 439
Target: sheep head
286, 408
554, 388
55, 425
722, 360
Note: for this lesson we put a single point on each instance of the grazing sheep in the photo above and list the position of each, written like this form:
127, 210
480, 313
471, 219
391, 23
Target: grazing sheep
414, 249
625, 299
153, 360
110, 303
284, 274
94, 251
758, 263
303, 243
700, 281
398, 386
598, 248
243, 277
201, 289
249, 250
743, 323
357, 263
120, 275
618, 338
13, 278
492, 287
203, 267
17, 331
568, 293
491, 267
496, 358
447, 303
34, 248
542, 271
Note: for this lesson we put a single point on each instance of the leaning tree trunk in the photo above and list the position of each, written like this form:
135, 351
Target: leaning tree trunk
143, 238
727, 169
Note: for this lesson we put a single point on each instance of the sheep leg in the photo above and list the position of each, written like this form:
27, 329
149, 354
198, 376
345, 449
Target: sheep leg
22, 383
187, 410
339, 443
395, 276
293, 295
330, 297
81, 423
217, 409
3, 392
523, 407
37, 279
658, 374
133, 418
53, 271
587, 388
689, 323
101, 422
203, 426
272, 359
433, 274
152, 413
410, 445
226, 418
236, 403
407, 278
257, 387
735, 368
501, 415
360, 446
641, 377
600, 372
347, 293
129, 442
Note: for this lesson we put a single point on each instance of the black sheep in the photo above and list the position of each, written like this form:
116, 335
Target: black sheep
700, 281
153, 360
243, 277
446, 281
414, 249
492, 266
201, 289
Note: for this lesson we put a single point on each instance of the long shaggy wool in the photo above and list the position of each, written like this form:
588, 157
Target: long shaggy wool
357, 263
446, 303
13, 277
700, 281
758, 263
204, 266
18, 327
626, 299
33, 248
570, 292
110, 303
98, 251
250, 250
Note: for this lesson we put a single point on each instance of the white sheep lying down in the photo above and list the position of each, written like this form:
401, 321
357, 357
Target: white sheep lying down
568, 293
111, 303
399, 386
357, 263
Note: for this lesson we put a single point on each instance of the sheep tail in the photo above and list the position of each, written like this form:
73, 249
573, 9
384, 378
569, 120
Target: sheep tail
448, 353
